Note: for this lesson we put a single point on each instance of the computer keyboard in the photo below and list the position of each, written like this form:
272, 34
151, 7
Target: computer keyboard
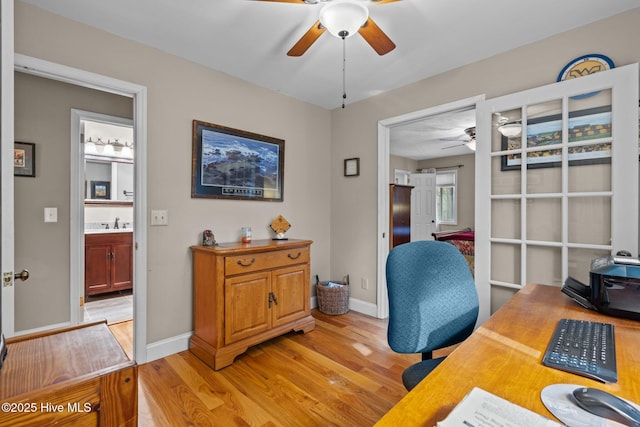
583, 348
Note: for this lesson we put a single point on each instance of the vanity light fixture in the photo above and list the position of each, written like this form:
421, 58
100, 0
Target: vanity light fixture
110, 148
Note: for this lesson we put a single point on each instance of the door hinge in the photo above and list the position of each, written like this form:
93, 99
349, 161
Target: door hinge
7, 279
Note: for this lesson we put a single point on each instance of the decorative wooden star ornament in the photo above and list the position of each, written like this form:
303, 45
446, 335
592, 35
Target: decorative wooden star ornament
280, 226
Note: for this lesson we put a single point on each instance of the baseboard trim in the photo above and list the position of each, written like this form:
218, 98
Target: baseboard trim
355, 304
42, 329
168, 346
363, 307
172, 345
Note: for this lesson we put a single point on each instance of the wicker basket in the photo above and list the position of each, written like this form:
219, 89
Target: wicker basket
333, 299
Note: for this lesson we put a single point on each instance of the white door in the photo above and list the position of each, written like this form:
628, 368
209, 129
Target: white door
575, 197
6, 165
423, 206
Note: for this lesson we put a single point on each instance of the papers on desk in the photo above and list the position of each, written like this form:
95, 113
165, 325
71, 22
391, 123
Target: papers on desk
480, 408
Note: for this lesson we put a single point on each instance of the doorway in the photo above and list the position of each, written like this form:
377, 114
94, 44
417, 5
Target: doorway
385, 128
137, 95
106, 183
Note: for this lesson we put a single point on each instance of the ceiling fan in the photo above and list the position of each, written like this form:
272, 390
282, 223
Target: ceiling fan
469, 141
331, 17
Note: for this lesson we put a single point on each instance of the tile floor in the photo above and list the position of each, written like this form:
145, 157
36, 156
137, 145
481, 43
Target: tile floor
115, 308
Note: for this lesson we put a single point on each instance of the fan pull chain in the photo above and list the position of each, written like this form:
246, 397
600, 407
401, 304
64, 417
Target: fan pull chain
344, 69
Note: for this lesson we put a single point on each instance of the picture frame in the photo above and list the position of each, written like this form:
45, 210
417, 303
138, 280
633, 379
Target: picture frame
24, 159
593, 123
101, 190
352, 166
234, 164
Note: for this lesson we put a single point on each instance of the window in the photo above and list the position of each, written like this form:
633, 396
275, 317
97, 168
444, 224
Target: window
446, 197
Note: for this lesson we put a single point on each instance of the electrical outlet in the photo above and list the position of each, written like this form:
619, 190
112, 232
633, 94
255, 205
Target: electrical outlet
364, 283
160, 217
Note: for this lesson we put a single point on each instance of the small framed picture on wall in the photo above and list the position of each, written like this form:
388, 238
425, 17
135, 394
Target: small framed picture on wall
101, 190
24, 159
352, 166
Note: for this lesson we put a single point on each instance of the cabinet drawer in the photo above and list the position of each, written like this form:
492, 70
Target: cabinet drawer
266, 260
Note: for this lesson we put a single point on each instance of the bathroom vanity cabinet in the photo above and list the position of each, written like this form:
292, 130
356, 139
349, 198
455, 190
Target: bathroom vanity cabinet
108, 260
247, 293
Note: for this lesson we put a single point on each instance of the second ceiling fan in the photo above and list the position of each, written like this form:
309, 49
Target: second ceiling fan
334, 16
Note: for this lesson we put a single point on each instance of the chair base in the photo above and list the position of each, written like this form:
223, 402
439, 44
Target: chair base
416, 373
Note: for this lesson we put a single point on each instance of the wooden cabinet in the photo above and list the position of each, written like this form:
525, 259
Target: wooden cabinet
399, 214
247, 293
108, 262
76, 376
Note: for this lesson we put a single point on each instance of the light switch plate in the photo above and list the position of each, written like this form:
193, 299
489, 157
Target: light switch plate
50, 214
159, 217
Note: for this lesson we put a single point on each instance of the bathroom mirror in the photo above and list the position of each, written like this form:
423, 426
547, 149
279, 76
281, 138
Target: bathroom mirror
108, 181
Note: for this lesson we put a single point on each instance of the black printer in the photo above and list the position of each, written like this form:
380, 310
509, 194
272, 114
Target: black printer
614, 287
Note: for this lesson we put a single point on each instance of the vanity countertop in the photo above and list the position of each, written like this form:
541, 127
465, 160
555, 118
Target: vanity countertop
108, 231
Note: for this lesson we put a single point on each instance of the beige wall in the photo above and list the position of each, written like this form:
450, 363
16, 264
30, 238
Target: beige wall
179, 92
43, 116
401, 163
338, 213
354, 129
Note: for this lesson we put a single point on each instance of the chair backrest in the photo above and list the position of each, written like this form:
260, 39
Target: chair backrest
433, 301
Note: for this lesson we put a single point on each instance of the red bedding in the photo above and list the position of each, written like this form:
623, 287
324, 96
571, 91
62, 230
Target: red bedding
464, 240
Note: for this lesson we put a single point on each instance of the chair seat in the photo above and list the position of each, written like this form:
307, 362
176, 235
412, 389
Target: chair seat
416, 373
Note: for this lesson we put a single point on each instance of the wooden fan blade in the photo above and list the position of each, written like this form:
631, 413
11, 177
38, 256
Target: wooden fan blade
307, 40
382, 1
376, 37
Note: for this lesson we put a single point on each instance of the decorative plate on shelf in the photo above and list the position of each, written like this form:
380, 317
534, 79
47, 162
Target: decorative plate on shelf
583, 66
280, 226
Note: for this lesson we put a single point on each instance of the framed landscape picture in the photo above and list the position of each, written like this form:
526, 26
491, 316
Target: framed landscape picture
234, 164
584, 126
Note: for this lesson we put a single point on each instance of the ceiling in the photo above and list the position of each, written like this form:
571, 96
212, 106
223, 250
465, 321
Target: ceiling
249, 39
435, 136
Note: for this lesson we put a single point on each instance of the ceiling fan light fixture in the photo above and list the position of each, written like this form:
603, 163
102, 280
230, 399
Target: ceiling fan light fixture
343, 19
510, 130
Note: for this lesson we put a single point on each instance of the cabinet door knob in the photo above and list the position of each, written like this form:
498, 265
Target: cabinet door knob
248, 264
294, 257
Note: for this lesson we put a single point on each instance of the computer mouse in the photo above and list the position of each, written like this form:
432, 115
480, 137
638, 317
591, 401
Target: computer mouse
606, 405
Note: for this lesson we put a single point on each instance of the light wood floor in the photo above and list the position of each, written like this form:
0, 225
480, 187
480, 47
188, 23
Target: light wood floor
341, 374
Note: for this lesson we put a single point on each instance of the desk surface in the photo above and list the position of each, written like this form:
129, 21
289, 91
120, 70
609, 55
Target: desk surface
504, 357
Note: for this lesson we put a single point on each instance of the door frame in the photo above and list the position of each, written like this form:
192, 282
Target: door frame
384, 130
6, 158
138, 93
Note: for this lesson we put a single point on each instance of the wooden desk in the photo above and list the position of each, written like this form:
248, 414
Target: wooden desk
504, 357
74, 376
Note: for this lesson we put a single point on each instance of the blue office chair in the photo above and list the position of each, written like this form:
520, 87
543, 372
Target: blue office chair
433, 302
